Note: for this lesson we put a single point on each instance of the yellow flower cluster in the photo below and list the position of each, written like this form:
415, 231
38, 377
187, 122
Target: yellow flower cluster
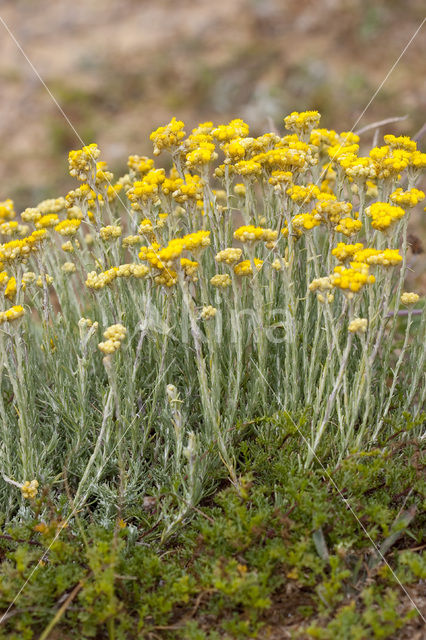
348, 226
82, 196
204, 154
358, 325
352, 279
409, 298
321, 284
46, 279
29, 489
190, 268
345, 252
131, 241
190, 189
280, 179
10, 291
29, 277
418, 160
306, 221
100, 280
251, 234
303, 195
329, 210
400, 142
384, 215
32, 214
52, 205
47, 221
368, 256
147, 189
408, 198
68, 267
244, 268
248, 168
20, 249
160, 257
9, 228
140, 164
388, 163
7, 211
221, 280
68, 227
87, 323
235, 129
109, 232
208, 312
286, 159
14, 313
83, 161
385, 258
167, 137
357, 168
302, 122
231, 255
338, 151
114, 336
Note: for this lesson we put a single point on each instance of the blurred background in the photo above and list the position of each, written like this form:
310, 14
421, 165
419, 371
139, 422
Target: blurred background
118, 69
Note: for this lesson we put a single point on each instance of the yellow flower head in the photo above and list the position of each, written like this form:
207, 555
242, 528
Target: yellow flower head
29, 490
235, 129
203, 155
110, 232
7, 211
83, 161
10, 291
208, 312
251, 234
345, 252
304, 221
351, 280
49, 220
114, 336
400, 142
301, 194
407, 199
358, 325
167, 137
140, 164
409, 298
328, 209
384, 215
230, 255
221, 280
244, 268
14, 313
248, 168
349, 226
302, 122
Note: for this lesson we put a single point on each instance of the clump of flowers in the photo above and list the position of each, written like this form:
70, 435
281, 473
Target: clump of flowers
409, 298
252, 275
384, 215
114, 336
29, 489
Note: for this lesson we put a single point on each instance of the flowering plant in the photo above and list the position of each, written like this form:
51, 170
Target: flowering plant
258, 274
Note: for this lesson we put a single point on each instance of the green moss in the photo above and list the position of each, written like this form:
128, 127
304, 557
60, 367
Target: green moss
282, 534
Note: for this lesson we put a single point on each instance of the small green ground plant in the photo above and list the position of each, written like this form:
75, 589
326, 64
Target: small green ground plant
281, 557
